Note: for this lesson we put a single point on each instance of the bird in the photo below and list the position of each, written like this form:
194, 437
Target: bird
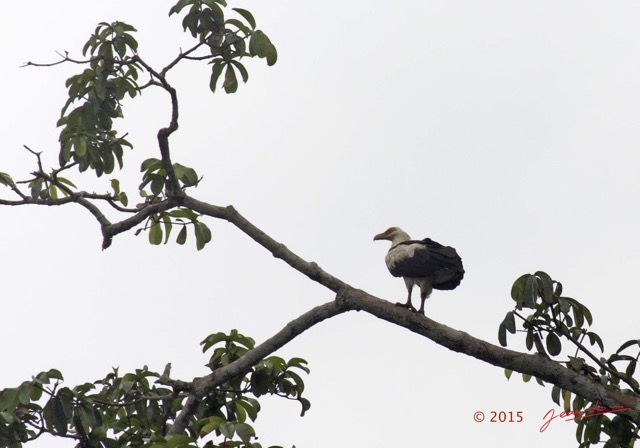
425, 263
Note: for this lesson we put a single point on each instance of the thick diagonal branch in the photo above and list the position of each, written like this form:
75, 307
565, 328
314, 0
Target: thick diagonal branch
278, 250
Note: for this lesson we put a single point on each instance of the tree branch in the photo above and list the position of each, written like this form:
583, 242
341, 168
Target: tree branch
164, 133
278, 250
350, 299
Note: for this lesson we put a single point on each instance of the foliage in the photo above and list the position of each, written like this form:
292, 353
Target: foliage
114, 70
137, 409
556, 318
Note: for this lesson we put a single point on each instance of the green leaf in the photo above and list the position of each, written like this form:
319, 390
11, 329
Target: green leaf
216, 71
246, 15
157, 184
65, 181
190, 178
155, 234
151, 164
566, 397
587, 314
186, 175
595, 339
167, 226
130, 41
530, 291
517, 290
565, 305
508, 373
271, 54
5, 179
238, 24
251, 411
212, 424
555, 395
230, 83
306, 405
547, 286
257, 43
243, 71
182, 236
9, 400
502, 334
241, 415
558, 290
203, 234
578, 316
179, 170
299, 363
115, 184
36, 188
80, 145
245, 432
65, 153
628, 344
179, 441
122, 197
510, 322
578, 403
55, 417
35, 392
184, 213
554, 345
55, 374
529, 339
175, 9
227, 429
24, 392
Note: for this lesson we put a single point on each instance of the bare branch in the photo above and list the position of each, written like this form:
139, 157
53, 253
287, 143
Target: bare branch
164, 133
65, 58
278, 250
182, 55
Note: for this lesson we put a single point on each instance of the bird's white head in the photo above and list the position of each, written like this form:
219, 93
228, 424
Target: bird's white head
394, 234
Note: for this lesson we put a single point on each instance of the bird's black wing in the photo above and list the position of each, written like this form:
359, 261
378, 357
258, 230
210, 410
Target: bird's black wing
426, 258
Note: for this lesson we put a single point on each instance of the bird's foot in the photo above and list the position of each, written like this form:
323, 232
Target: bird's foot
406, 305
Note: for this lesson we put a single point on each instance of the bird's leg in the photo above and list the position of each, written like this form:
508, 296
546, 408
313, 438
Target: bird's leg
408, 304
425, 292
423, 298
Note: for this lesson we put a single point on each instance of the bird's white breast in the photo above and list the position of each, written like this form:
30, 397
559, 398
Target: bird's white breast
399, 253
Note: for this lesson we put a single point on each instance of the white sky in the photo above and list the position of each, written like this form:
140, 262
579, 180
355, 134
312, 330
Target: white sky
505, 129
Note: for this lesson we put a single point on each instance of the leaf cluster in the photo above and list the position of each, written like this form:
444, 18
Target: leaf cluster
556, 318
87, 135
111, 72
553, 317
271, 376
226, 39
138, 408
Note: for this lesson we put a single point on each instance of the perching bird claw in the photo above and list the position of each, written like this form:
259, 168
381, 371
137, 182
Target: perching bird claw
406, 305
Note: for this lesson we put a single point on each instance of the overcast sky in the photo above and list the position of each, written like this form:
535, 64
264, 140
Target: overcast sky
508, 130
